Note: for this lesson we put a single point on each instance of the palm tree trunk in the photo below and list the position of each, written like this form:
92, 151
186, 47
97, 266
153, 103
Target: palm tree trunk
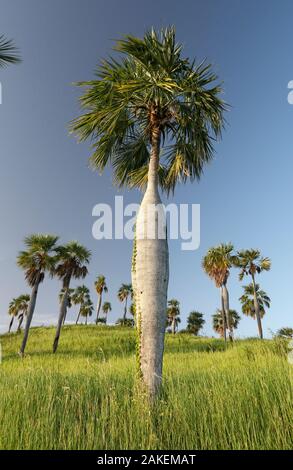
150, 278
223, 315
256, 308
20, 320
30, 312
62, 314
125, 310
99, 308
173, 326
227, 310
10, 324
78, 315
86, 319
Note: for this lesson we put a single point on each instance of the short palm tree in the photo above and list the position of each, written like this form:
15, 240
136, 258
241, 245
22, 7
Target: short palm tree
154, 115
285, 332
36, 261
234, 318
13, 311
80, 296
250, 262
195, 322
248, 303
124, 293
100, 286
87, 309
71, 262
106, 309
8, 52
23, 301
217, 264
173, 315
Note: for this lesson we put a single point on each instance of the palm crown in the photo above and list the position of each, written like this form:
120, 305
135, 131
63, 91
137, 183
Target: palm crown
8, 52
100, 285
234, 318
124, 291
38, 257
71, 261
217, 263
247, 300
151, 88
251, 262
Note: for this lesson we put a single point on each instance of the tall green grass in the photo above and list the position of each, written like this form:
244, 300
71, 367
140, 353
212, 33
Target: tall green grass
84, 397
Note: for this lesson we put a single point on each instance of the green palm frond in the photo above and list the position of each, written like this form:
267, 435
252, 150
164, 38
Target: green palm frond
9, 54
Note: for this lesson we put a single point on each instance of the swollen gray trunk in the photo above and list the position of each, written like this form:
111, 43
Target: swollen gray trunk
30, 312
62, 315
78, 316
99, 308
173, 326
150, 276
223, 315
227, 311
257, 309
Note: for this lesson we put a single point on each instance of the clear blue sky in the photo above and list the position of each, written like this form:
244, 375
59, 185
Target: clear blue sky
46, 186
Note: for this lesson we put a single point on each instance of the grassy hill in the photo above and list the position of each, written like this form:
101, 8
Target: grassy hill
83, 397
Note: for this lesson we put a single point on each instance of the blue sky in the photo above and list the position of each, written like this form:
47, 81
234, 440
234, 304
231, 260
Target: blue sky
245, 194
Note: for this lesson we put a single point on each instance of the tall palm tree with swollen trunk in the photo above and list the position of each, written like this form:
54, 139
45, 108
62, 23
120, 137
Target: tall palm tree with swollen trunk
100, 286
250, 262
8, 52
71, 262
153, 114
217, 264
36, 261
123, 294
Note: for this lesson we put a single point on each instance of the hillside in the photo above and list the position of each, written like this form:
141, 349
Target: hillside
83, 397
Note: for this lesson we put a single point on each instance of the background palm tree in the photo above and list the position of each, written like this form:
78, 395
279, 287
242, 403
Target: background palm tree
218, 327
173, 315
71, 262
87, 309
248, 302
69, 299
195, 322
251, 263
123, 294
217, 264
23, 301
100, 286
285, 332
8, 52
153, 114
106, 309
36, 260
13, 311
80, 296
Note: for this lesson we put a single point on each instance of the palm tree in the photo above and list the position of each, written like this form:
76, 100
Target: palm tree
87, 309
69, 299
173, 314
195, 322
217, 264
80, 296
106, 309
13, 311
101, 287
36, 261
285, 332
123, 294
234, 318
71, 261
251, 263
248, 302
23, 301
154, 115
8, 52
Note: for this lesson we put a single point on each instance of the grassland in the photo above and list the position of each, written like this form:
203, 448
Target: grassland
83, 397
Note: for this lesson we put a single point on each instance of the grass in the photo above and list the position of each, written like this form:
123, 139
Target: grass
84, 396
